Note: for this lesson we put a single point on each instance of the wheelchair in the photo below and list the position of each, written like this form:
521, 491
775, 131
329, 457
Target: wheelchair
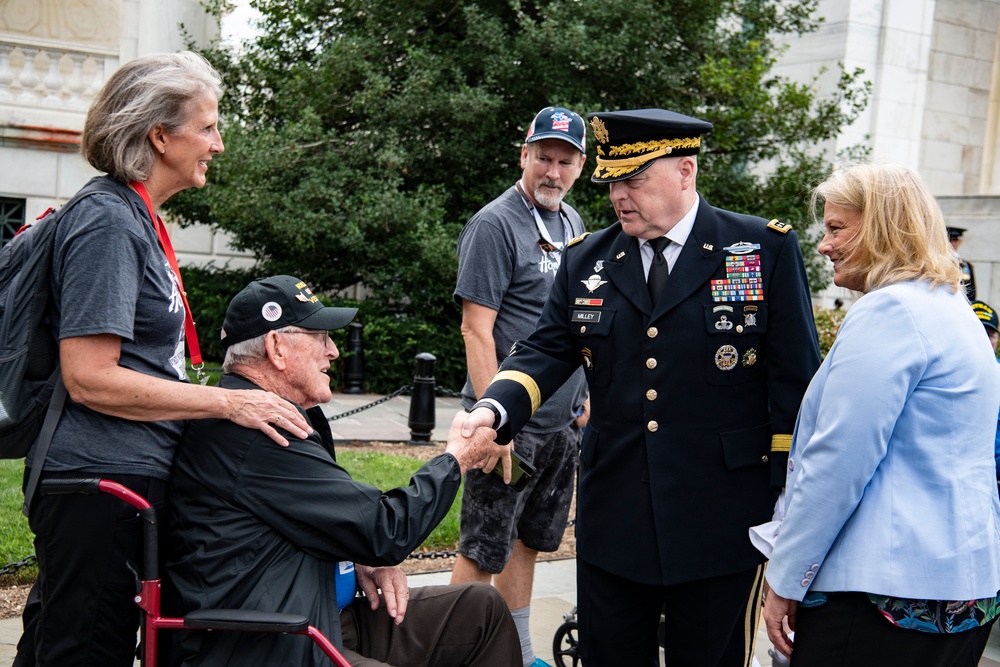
148, 585
565, 642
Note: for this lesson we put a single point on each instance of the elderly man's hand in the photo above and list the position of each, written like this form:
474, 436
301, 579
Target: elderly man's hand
391, 581
471, 442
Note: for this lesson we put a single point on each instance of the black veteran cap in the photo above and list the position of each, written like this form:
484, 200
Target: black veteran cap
279, 301
558, 123
629, 141
955, 232
986, 315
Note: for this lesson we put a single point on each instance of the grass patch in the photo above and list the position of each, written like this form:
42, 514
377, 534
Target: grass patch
380, 470
15, 536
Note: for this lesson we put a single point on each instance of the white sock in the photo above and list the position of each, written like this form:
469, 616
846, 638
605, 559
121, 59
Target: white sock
521, 617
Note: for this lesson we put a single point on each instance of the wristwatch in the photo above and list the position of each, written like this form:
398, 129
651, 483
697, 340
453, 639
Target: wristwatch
490, 406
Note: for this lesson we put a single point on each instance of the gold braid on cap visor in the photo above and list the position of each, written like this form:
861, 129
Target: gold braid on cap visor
614, 167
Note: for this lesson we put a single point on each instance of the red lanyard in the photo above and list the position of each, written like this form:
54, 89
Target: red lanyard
190, 335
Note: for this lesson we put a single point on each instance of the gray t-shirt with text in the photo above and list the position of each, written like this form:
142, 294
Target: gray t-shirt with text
110, 276
503, 265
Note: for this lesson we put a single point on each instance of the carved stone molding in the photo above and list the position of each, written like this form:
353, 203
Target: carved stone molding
91, 22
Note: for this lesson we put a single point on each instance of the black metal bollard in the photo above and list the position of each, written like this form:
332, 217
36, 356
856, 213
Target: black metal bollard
354, 365
422, 418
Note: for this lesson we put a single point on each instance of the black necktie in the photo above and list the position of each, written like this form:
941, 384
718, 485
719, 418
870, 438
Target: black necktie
659, 270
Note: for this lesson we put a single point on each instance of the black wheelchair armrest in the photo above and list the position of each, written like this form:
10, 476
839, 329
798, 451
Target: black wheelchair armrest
248, 620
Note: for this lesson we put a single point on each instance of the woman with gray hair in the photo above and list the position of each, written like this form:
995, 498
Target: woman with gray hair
888, 552
120, 322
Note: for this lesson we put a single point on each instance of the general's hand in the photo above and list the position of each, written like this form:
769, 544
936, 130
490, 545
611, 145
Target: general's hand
474, 446
392, 582
264, 411
475, 419
777, 610
503, 458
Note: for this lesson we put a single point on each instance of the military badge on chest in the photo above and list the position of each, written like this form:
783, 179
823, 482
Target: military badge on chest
734, 332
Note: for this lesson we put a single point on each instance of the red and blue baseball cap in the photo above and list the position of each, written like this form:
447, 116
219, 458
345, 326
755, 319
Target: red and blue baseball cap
558, 123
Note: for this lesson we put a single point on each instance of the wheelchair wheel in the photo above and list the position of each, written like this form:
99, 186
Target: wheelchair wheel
564, 646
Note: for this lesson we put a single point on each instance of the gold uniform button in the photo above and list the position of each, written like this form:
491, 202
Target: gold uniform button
739, 328
764, 458
652, 426
583, 329
652, 332
650, 363
651, 395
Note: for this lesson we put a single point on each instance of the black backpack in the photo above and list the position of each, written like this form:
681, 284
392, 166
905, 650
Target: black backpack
31, 391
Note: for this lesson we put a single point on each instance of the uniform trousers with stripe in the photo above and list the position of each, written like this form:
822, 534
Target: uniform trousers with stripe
708, 623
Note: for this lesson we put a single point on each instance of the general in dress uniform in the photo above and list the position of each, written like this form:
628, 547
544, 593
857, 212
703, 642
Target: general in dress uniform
694, 397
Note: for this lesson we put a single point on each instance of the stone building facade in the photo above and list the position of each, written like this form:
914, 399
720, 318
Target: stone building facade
54, 57
935, 106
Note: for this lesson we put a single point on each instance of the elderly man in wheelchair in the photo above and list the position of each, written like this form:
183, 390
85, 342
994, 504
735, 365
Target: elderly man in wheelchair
256, 526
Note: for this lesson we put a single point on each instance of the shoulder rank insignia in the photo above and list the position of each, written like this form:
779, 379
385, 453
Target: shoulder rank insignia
578, 239
778, 226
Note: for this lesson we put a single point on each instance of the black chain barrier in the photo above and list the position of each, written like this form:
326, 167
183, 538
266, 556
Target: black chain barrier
401, 390
11, 568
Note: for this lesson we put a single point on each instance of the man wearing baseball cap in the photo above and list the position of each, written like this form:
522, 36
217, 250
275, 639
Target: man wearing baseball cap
991, 323
508, 254
255, 526
695, 328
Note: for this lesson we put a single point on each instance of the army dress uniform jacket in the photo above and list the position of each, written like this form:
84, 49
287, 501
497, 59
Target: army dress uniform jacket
688, 399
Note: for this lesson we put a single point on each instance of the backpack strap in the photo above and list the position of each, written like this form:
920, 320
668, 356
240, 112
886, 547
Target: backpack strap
41, 447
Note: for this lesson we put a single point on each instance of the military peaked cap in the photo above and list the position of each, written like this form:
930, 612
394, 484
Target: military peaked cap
629, 141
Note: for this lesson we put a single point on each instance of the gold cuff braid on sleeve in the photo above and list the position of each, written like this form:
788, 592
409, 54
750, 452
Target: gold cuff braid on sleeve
525, 381
781, 442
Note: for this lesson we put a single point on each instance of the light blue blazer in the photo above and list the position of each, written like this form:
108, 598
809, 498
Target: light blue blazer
891, 485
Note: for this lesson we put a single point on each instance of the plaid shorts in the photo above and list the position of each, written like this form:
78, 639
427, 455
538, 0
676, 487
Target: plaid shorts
494, 515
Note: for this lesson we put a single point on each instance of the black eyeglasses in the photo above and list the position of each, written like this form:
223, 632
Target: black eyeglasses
324, 334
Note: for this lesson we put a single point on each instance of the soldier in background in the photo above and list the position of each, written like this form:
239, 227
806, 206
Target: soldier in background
968, 275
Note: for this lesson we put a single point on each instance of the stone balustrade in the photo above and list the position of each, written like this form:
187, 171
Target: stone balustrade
45, 76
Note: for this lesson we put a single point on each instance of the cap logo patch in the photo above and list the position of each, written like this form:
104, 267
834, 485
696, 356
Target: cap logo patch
302, 297
560, 121
271, 311
600, 132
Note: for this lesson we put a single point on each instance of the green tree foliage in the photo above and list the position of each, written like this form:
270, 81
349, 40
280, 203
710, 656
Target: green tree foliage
361, 134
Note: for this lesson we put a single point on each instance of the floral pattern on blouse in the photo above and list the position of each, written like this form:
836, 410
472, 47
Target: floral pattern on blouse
937, 616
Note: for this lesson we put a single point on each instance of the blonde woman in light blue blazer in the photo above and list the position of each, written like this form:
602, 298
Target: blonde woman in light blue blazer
889, 549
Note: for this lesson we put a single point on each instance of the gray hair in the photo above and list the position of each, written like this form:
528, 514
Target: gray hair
142, 94
248, 352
